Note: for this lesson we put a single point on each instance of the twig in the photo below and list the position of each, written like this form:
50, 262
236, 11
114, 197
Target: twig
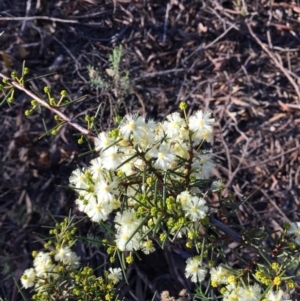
210, 44
276, 62
166, 22
244, 153
46, 105
37, 18
158, 73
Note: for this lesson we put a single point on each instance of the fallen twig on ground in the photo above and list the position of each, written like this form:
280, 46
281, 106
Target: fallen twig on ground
276, 62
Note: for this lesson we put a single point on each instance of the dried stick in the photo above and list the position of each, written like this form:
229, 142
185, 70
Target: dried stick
274, 59
43, 103
31, 18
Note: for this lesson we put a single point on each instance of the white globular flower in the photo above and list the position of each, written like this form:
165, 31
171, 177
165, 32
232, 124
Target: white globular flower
184, 197
97, 210
175, 126
106, 191
181, 149
111, 158
127, 218
115, 275
277, 296
250, 293
295, 230
132, 125
194, 270
217, 186
78, 179
165, 157
83, 200
219, 275
231, 293
202, 166
103, 141
28, 278
201, 125
72, 260
195, 208
126, 224
126, 241
67, 257
148, 247
43, 264
97, 170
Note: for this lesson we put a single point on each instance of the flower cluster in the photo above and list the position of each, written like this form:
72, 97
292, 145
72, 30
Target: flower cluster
147, 173
52, 269
46, 269
236, 289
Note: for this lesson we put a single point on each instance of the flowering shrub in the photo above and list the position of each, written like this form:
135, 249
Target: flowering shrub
151, 178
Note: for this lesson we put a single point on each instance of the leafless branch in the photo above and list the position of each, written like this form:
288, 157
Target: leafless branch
43, 103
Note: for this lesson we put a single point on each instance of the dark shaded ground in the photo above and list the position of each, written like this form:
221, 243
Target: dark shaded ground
209, 53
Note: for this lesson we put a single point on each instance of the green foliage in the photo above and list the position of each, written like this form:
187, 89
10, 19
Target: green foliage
115, 79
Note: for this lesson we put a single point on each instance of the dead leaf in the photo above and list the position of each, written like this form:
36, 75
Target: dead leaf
202, 28
276, 117
237, 101
110, 72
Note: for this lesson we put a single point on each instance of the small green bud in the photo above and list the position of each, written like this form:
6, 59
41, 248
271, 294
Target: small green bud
80, 141
129, 259
1, 87
189, 244
10, 99
47, 89
13, 74
87, 118
33, 103
27, 113
205, 221
153, 211
114, 133
286, 226
4, 80
118, 119
54, 132
63, 93
26, 70
182, 106
292, 246
211, 263
56, 117
162, 236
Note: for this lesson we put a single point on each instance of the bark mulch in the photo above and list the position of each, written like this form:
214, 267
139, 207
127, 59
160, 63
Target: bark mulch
239, 60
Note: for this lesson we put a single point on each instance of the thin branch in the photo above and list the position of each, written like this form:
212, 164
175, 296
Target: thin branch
274, 59
38, 18
43, 103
